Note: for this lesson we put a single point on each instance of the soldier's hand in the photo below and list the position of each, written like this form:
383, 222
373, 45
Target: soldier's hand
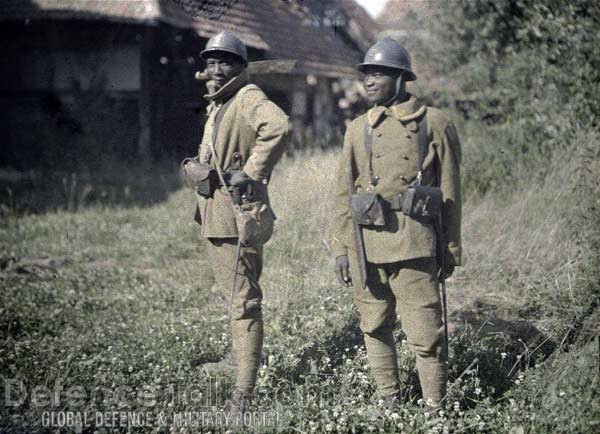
239, 179
342, 270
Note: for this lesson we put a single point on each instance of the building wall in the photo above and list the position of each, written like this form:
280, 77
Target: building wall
118, 66
70, 91
81, 93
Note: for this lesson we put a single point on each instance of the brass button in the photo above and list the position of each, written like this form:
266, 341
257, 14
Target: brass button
405, 157
403, 178
377, 156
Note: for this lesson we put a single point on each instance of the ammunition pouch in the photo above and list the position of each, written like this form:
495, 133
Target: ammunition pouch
255, 222
199, 176
367, 209
422, 203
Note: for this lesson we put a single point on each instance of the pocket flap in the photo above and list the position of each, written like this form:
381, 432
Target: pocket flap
363, 202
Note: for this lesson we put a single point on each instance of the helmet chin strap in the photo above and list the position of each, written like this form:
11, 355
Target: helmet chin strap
399, 83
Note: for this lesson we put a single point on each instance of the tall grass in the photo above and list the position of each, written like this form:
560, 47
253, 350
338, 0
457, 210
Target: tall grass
524, 240
137, 306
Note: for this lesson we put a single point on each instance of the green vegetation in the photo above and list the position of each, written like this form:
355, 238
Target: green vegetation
136, 307
134, 303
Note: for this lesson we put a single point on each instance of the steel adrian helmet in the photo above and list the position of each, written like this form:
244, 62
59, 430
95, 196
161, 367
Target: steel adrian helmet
227, 42
388, 52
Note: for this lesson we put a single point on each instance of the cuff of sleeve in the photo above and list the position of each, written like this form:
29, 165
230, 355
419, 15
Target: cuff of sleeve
251, 169
338, 249
252, 172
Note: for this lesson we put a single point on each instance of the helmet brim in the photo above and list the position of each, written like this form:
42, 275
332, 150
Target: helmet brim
410, 76
205, 53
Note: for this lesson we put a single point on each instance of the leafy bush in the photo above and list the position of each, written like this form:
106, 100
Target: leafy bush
528, 69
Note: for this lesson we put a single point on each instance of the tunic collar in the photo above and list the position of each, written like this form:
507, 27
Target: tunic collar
405, 111
228, 89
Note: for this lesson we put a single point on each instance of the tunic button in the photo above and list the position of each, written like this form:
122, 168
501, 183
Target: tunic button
378, 134
408, 136
403, 178
405, 157
377, 156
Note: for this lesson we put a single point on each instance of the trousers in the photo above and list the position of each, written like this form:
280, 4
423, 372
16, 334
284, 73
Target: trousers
246, 313
411, 287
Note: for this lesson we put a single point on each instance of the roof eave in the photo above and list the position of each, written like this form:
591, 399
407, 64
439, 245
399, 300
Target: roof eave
326, 70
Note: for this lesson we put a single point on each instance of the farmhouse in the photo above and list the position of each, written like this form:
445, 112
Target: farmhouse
116, 76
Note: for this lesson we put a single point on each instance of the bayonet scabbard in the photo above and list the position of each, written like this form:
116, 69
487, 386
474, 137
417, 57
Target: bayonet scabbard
441, 258
358, 237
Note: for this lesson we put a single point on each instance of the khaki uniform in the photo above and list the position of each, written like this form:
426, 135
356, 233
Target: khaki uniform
252, 135
401, 264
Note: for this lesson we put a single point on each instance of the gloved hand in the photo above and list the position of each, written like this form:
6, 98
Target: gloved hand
239, 179
342, 270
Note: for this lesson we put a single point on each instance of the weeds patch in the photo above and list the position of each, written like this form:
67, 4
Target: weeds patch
136, 307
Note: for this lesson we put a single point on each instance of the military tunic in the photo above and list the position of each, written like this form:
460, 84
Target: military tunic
401, 264
252, 129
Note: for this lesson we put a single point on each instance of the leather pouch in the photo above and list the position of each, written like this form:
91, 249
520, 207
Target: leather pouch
255, 222
422, 202
367, 209
199, 176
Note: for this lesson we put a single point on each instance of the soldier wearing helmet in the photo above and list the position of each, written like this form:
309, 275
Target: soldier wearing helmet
398, 144
248, 133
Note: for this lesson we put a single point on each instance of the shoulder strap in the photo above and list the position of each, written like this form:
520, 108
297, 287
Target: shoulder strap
422, 145
218, 117
368, 140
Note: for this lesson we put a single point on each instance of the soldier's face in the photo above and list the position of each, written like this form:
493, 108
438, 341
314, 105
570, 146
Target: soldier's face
379, 83
222, 67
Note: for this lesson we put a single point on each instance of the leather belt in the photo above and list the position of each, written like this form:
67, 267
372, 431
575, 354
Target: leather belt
394, 203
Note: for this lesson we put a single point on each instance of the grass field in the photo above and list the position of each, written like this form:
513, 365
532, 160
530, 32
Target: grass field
128, 303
